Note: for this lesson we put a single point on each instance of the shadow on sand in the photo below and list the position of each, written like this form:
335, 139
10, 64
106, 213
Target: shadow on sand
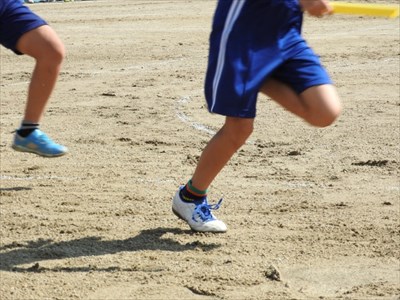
15, 254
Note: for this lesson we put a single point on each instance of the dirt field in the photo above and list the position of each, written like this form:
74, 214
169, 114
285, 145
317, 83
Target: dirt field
318, 206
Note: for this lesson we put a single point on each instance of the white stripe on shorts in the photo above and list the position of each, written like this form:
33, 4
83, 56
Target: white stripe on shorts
233, 14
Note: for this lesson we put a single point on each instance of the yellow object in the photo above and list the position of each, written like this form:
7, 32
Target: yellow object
376, 10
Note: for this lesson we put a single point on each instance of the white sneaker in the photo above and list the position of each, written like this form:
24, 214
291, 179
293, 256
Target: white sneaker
198, 214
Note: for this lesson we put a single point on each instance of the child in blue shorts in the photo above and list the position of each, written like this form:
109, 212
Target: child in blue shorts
24, 32
255, 46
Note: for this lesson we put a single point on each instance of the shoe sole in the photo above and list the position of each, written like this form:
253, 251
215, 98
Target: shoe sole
22, 149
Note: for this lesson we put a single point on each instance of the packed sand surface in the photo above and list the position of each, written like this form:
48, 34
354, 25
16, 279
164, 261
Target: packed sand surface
311, 213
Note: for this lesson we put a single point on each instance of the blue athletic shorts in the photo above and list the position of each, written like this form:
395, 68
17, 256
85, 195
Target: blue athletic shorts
251, 41
16, 19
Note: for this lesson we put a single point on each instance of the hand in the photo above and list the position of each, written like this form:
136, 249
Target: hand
316, 8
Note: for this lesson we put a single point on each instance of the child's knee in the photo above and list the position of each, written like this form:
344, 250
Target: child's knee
243, 133
239, 130
56, 53
326, 118
322, 105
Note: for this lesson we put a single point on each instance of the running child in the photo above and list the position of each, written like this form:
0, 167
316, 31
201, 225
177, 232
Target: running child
255, 46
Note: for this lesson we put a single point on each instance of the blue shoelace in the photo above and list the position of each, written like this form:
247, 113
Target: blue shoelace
203, 210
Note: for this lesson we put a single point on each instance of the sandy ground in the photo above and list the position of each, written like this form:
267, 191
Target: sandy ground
312, 213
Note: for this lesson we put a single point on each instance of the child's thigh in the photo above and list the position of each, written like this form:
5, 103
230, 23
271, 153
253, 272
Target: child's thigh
41, 42
16, 20
319, 105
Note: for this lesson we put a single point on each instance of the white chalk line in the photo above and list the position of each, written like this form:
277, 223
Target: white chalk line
361, 65
133, 67
394, 188
71, 178
303, 185
364, 65
30, 178
122, 69
311, 185
179, 111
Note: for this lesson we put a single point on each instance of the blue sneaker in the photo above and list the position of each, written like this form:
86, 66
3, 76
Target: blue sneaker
198, 214
39, 143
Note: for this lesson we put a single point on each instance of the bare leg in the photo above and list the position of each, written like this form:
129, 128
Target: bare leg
46, 48
318, 105
220, 149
